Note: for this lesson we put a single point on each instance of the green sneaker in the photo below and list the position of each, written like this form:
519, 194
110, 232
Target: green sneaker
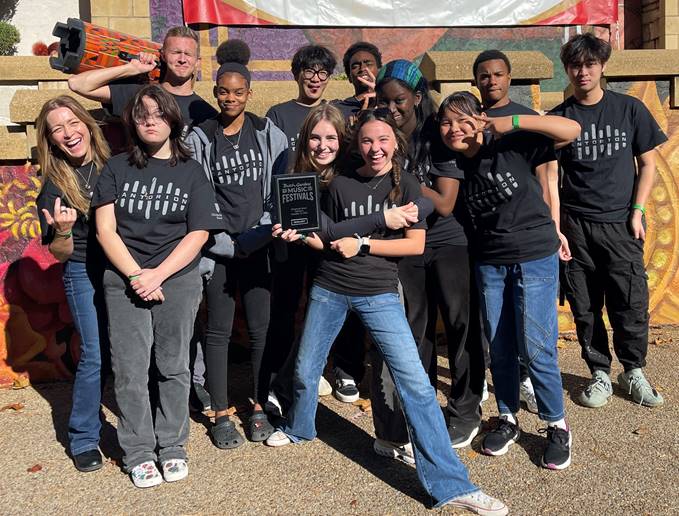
598, 391
636, 384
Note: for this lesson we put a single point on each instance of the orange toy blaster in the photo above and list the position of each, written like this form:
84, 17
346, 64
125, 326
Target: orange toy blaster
84, 46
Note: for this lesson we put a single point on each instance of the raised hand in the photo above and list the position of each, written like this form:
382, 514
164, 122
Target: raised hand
63, 219
498, 125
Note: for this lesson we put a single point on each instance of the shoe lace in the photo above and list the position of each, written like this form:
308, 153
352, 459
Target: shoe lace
598, 384
641, 385
555, 434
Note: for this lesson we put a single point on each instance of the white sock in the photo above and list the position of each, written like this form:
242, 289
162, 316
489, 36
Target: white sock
508, 417
561, 423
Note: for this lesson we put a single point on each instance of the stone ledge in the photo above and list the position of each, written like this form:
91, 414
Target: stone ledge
26, 104
28, 68
452, 66
13, 143
643, 64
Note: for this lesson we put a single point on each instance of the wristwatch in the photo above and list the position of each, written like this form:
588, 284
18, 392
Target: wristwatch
363, 246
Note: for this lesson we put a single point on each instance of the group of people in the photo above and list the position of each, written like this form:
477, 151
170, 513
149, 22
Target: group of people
465, 209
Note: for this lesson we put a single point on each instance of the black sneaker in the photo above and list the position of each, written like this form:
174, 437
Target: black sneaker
498, 441
462, 434
346, 390
200, 398
558, 452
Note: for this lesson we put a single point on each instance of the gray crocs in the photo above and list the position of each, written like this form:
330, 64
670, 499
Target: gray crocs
225, 435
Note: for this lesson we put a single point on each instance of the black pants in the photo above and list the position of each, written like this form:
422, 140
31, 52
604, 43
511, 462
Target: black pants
250, 276
289, 280
607, 269
439, 280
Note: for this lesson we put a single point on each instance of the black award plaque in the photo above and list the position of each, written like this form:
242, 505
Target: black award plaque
297, 201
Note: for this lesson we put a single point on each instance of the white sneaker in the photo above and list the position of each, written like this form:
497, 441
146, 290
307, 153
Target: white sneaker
479, 502
484, 392
277, 439
402, 452
324, 387
346, 390
527, 395
146, 474
174, 469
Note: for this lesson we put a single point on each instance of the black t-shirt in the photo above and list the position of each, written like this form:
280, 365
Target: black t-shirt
194, 109
84, 234
237, 175
512, 223
155, 207
446, 230
349, 107
289, 117
351, 195
599, 170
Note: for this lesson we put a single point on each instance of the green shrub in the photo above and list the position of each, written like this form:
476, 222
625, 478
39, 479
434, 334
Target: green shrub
9, 37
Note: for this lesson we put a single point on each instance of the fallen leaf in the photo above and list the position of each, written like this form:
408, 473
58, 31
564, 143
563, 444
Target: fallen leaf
353, 503
472, 454
364, 405
112, 462
561, 344
34, 469
21, 382
571, 337
17, 407
642, 430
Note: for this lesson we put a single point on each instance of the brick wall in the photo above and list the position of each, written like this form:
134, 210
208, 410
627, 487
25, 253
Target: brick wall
127, 16
660, 23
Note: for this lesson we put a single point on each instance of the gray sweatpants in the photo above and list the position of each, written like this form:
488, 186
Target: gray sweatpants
135, 327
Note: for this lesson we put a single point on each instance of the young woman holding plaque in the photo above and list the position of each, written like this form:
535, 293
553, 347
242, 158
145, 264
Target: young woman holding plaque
239, 152
320, 144
361, 275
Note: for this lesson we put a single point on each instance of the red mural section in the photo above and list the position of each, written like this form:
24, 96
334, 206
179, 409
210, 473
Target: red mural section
37, 339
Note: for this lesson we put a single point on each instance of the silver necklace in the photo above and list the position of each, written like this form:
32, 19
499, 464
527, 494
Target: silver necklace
234, 147
89, 176
374, 187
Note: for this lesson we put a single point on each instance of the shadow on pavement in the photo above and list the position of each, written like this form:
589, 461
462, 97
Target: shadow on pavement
357, 445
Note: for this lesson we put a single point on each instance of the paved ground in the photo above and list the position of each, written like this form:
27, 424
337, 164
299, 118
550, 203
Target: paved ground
624, 461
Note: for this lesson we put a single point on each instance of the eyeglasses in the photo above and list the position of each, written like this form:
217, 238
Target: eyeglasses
155, 117
308, 73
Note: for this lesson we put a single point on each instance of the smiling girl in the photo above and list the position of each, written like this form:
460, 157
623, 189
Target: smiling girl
239, 152
516, 250
360, 275
155, 209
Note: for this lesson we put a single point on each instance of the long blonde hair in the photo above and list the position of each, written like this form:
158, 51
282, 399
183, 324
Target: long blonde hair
54, 164
305, 162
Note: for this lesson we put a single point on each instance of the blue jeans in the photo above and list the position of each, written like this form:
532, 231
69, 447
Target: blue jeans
441, 473
518, 304
89, 317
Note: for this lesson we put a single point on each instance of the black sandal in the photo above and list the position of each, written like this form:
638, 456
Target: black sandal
259, 427
225, 435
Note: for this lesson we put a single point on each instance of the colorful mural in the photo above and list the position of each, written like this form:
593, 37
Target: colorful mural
36, 334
